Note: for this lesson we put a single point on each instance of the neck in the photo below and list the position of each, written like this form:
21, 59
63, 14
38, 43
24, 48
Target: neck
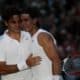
34, 30
14, 35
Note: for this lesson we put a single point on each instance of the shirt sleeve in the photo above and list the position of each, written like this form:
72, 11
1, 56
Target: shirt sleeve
2, 55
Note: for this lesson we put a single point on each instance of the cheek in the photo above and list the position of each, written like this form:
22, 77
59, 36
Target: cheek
28, 23
11, 25
24, 25
28, 27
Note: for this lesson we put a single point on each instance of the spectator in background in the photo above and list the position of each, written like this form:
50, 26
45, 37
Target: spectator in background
72, 64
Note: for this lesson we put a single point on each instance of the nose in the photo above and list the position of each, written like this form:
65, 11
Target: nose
17, 24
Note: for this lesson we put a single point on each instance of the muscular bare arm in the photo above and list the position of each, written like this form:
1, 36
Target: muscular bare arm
46, 41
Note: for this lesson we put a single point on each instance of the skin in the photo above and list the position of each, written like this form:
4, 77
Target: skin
45, 40
13, 25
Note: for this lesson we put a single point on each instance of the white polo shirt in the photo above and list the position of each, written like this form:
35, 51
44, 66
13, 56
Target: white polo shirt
10, 50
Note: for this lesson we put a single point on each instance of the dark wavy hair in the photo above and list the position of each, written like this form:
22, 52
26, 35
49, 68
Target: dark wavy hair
33, 12
9, 11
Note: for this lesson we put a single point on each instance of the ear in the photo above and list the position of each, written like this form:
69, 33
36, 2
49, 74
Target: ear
6, 24
35, 21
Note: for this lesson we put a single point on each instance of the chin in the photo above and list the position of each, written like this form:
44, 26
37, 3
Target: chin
17, 31
28, 30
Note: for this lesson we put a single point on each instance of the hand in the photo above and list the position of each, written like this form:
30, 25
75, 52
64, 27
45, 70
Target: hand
33, 61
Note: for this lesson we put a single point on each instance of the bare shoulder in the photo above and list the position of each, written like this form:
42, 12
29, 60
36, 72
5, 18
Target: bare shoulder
44, 38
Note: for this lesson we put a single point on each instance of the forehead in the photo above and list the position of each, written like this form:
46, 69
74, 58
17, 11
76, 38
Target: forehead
24, 15
14, 17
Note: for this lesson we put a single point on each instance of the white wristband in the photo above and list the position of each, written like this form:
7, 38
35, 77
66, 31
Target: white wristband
22, 65
57, 77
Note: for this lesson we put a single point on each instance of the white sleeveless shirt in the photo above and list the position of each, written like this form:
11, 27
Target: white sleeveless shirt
44, 70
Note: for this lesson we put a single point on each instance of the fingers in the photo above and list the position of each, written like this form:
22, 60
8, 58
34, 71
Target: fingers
33, 61
37, 60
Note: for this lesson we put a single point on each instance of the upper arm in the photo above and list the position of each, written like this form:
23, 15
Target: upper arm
47, 42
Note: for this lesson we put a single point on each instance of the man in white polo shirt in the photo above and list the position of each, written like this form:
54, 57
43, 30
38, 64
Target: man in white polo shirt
15, 59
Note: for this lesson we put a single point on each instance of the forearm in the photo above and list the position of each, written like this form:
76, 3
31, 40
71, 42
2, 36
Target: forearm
7, 69
56, 67
57, 71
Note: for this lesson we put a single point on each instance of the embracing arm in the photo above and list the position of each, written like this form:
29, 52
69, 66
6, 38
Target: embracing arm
7, 69
46, 41
22, 65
